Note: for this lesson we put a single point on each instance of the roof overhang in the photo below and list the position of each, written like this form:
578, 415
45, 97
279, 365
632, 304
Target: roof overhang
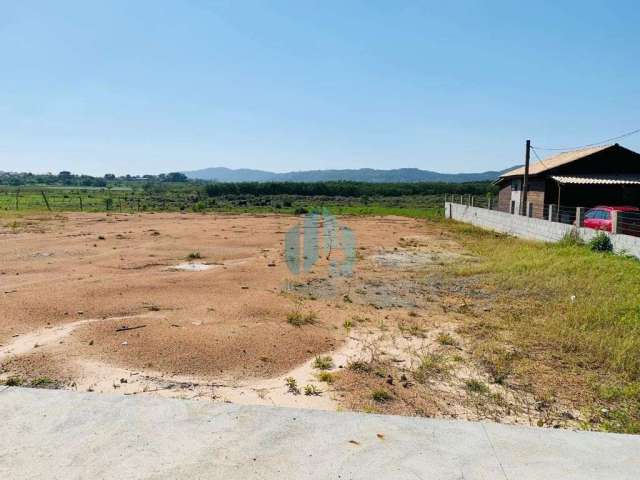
598, 180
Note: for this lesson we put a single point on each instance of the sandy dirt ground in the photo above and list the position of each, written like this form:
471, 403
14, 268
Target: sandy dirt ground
199, 306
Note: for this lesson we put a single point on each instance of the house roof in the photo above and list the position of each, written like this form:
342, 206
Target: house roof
556, 161
599, 179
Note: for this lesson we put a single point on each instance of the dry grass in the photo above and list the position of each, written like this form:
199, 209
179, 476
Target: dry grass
298, 319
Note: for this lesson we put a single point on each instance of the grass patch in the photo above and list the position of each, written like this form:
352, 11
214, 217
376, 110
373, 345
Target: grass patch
476, 386
572, 313
298, 319
312, 390
432, 365
447, 339
381, 395
411, 329
326, 377
323, 362
13, 381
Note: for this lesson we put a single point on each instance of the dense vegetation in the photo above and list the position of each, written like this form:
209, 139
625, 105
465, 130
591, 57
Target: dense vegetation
174, 192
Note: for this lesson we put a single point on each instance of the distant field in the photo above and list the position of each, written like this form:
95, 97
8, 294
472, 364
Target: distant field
128, 200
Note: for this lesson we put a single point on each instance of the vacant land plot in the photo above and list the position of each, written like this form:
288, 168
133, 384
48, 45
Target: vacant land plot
204, 306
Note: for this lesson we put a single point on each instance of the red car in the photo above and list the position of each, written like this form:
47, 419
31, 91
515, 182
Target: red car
599, 218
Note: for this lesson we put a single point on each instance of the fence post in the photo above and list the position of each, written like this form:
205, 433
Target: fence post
46, 201
489, 202
81, 206
614, 222
579, 216
472, 200
450, 210
551, 212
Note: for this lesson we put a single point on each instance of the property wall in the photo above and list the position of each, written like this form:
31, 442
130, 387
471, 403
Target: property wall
533, 228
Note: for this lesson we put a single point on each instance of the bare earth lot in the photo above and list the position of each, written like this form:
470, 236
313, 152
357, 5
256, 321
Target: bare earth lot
203, 306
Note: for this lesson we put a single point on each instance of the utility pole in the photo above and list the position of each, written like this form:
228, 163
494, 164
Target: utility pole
525, 181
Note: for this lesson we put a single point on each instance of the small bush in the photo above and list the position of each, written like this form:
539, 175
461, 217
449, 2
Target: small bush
323, 362
326, 377
292, 385
300, 211
359, 366
601, 243
194, 256
476, 386
14, 382
381, 395
298, 319
311, 390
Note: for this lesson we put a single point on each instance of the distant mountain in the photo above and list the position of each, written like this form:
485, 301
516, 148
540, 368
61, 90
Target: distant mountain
222, 174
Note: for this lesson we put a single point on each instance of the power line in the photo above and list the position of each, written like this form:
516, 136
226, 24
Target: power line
592, 144
539, 159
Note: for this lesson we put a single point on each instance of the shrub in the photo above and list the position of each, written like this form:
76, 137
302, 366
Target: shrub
298, 319
359, 366
601, 243
476, 386
300, 211
292, 385
323, 362
326, 377
381, 395
311, 390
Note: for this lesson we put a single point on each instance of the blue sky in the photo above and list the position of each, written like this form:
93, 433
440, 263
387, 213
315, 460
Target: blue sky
157, 86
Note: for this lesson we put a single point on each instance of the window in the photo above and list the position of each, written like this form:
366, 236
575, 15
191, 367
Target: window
605, 215
592, 214
516, 185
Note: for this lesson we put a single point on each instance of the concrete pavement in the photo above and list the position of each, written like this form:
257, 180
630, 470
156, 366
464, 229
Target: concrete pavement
56, 434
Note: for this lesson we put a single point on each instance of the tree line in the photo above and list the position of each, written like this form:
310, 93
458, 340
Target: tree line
347, 188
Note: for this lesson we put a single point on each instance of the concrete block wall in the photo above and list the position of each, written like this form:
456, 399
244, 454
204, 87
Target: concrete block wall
533, 228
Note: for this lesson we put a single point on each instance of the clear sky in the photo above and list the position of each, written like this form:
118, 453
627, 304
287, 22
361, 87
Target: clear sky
156, 86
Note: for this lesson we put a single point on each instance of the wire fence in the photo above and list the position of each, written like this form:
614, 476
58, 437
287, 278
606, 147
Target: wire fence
622, 220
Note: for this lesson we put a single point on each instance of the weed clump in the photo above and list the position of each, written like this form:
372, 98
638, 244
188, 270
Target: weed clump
432, 365
310, 390
359, 366
292, 385
194, 256
571, 239
447, 339
298, 319
381, 395
323, 362
476, 386
326, 377
13, 382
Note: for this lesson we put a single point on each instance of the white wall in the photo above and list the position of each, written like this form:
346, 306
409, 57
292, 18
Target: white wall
533, 228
